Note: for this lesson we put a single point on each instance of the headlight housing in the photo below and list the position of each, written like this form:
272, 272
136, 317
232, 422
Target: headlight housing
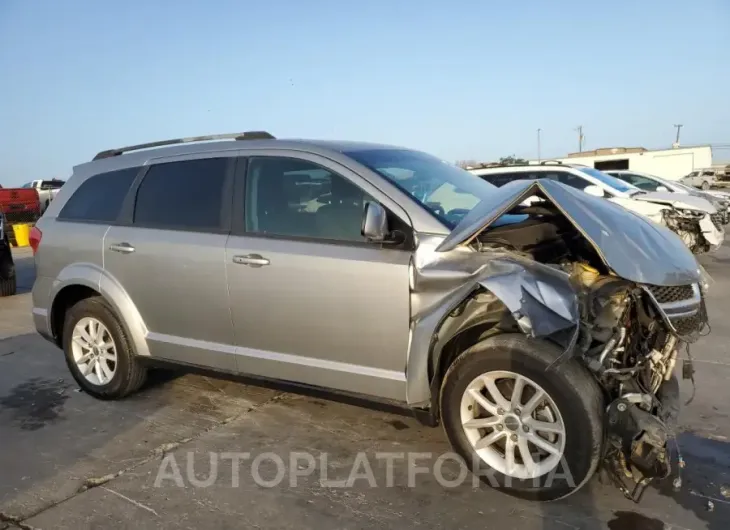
705, 280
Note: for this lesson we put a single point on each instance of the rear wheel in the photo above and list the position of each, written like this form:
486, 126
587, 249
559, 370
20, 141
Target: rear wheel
98, 352
705, 185
536, 434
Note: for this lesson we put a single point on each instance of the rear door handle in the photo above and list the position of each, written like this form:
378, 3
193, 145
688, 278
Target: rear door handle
124, 248
252, 260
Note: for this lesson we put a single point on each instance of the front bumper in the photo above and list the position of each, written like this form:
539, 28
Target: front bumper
712, 231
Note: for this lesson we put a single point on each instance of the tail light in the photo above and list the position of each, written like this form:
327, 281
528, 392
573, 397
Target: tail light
35, 238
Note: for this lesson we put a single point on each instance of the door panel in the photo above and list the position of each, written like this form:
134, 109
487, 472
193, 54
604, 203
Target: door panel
326, 314
176, 280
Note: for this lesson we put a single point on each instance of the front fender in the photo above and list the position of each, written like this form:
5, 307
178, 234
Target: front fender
94, 277
540, 298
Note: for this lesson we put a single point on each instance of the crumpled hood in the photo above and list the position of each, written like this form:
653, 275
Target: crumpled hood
677, 200
634, 248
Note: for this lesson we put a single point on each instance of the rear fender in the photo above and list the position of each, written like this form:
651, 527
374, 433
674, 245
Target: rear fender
96, 278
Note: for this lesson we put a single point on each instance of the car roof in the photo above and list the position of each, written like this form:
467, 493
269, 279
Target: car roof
524, 167
111, 160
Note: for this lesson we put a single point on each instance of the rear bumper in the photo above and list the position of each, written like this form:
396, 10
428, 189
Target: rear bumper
41, 311
42, 323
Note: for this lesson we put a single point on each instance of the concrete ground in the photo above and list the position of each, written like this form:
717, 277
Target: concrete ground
69, 461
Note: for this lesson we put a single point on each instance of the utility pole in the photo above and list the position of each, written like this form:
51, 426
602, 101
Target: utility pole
678, 126
538, 145
580, 138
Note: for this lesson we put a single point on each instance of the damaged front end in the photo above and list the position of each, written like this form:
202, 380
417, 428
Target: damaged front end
702, 232
630, 337
623, 295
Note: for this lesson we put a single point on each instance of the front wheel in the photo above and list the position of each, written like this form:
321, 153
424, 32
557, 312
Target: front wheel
533, 433
705, 185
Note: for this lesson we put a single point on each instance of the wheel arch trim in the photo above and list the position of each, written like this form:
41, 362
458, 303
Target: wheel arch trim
94, 277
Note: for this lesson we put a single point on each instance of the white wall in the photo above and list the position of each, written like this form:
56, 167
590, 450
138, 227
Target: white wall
671, 164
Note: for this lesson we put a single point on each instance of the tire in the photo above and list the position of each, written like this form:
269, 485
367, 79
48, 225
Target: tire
8, 287
705, 185
573, 391
128, 372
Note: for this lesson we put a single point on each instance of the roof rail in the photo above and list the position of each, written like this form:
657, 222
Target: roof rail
548, 162
249, 135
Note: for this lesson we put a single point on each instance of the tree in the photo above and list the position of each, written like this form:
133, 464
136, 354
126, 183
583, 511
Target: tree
512, 160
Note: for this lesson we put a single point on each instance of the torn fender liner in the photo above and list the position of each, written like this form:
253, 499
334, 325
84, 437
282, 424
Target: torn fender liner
540, 293
633, 247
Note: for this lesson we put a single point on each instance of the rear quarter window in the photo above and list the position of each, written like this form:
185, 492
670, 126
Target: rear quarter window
100, 197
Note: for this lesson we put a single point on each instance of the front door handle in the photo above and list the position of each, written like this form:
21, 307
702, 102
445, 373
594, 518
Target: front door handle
252, 260
124, 248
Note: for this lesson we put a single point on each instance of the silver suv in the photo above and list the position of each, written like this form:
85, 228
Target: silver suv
536, 335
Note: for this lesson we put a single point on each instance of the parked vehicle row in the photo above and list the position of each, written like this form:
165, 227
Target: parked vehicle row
538, 334
20, 205
47, 190
719, 199
690, 217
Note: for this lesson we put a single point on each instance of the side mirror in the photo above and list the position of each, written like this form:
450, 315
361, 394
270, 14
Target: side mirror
375, 222
594, 190
662, 188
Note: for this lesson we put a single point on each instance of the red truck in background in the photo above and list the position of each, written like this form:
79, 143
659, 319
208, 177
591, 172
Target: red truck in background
19, 205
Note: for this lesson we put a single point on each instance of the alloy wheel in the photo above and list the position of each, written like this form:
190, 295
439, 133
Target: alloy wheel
513, 424
94, 351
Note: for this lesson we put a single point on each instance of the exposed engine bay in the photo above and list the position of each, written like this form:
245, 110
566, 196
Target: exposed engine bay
623, 338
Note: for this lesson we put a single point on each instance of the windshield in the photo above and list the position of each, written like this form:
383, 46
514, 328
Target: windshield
608, 180
445, 190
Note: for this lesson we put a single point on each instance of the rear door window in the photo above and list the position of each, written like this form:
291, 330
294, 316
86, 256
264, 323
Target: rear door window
99, 198
185, 195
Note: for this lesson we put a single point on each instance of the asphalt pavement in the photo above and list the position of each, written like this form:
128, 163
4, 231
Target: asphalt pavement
164, 458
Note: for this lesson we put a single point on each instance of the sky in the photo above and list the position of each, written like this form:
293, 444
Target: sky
461, 80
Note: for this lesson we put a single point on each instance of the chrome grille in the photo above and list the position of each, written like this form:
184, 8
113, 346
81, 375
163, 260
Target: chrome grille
671, 293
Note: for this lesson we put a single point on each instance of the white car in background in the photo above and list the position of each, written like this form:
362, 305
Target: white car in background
47, 190
702, 178
688, 216
719, 199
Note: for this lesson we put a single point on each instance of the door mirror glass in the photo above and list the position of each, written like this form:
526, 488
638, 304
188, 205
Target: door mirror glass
594, 190
375, 222
662, 188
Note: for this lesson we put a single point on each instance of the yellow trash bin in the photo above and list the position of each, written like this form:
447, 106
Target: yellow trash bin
22, 234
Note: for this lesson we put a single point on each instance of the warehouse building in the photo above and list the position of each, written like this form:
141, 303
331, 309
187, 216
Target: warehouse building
672, 164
